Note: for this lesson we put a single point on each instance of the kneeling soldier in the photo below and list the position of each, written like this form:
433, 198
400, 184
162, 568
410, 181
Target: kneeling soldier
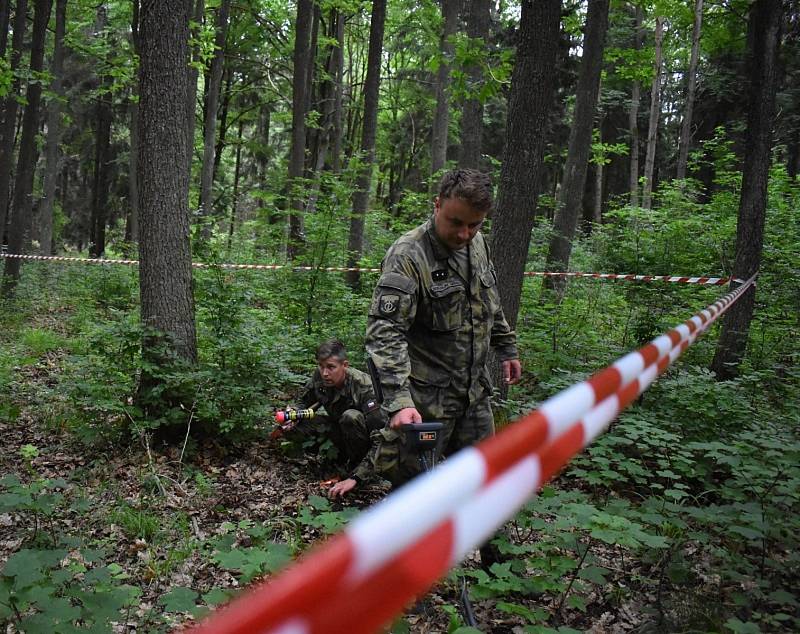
353, 415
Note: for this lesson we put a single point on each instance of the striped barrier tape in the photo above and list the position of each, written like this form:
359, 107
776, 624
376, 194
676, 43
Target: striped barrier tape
361, 578
703, 280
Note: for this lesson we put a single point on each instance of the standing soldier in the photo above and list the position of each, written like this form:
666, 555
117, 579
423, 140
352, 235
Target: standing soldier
434, 314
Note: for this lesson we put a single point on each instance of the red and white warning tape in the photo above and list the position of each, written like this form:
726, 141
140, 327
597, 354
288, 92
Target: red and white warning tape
396, 550
706, 281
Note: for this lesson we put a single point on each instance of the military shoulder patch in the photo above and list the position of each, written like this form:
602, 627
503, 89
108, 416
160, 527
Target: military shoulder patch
388, 304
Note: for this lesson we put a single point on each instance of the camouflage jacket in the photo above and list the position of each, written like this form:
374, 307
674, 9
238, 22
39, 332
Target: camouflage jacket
356, 393
429, 330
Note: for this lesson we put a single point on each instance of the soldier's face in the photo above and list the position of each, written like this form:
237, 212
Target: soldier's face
456, 221
333, 371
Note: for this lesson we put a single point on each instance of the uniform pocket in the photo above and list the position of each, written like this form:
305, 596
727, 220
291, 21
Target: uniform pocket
447, 307
428, 395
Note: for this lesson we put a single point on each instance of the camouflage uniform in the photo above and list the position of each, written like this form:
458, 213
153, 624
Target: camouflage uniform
352, 415
429, 332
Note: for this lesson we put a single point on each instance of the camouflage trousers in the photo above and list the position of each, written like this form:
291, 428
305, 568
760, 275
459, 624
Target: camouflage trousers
396, 461
349, 434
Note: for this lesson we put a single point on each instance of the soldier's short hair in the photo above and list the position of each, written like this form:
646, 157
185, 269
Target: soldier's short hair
331, 348
469, 185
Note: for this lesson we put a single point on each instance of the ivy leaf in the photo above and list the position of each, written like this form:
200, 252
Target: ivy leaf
179, 600
215, 596
738, 627
746, 532
595, 574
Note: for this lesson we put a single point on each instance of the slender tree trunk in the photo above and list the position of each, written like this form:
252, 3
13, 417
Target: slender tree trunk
223, 124
655, 112
167, 303
236, 172
212, 105
5, 16
101, 170
568, 205
764, 38
19, 227
338, 111
51, 152
8, 115
355, 243
441, 118
132, 223
633, 118
686, 126
472, 116
301, 60
327, 119
191, 96
530, 102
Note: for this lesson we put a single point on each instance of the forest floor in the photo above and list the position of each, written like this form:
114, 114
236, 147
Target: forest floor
162, 519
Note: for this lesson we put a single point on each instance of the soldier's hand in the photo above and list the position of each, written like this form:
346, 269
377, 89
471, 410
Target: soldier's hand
512, 371
405, 416
340, 488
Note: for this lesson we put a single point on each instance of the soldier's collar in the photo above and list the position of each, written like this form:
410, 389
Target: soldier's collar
440, 251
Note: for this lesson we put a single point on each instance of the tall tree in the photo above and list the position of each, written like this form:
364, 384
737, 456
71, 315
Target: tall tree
20, 222
191, 93
51, 150
102, 157
301, 61
691, 84
764, 41
132, 219
568, 205
441, 118
529, 103
655, 113
165, 270
8, 114
5, 16
633, 113
478, 20
355, 243
214, 80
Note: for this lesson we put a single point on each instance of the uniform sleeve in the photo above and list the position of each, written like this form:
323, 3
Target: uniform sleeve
308, 396
502, 338
391, 314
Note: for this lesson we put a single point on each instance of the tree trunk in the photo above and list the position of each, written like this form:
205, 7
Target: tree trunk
338, 110
472, 115
51, 152
132, 221
191, 94
211, 107
165, 273
325, 131
301, 60
530, 102
236, 172
764, 38
655, 111
9, 113
5, 15
223, 124
101, 170
19, 227
568, 205
686, 126
355, 242
441, 118
633, 118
